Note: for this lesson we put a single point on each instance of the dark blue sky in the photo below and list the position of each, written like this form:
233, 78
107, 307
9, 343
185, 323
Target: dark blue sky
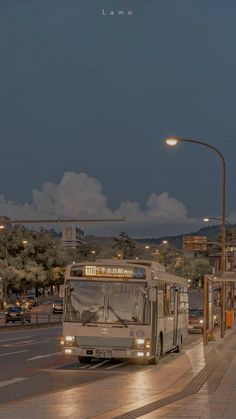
82, 92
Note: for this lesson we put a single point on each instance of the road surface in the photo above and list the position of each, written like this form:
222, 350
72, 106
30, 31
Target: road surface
31, 363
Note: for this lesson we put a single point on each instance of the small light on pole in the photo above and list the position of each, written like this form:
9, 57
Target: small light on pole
172, 141
206, 219
165, 241
147, 247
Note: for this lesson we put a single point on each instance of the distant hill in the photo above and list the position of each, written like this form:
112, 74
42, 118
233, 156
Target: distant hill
211, 232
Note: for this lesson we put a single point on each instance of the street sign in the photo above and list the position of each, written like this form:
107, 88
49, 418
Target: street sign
194, 243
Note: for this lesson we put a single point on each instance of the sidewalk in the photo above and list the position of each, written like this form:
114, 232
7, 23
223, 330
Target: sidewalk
200, 382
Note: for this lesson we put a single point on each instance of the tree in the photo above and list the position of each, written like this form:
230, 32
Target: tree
125, 246
30, 258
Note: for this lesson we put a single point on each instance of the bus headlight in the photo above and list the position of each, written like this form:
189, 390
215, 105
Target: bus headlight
142, 343
69, 338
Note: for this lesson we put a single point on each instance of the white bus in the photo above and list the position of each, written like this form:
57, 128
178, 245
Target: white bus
129, 309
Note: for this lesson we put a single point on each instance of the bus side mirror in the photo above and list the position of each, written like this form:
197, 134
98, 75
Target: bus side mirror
152, 295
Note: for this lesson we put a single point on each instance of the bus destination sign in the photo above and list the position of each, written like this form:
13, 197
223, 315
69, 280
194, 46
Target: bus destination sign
109, 272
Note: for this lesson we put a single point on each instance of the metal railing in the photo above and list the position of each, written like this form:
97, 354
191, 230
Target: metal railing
35, 319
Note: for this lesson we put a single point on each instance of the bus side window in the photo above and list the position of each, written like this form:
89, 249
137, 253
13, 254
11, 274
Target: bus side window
183, 301
172, 300
166, 300
160, 300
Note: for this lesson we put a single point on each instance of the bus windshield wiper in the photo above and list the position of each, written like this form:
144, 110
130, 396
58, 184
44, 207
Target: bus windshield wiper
92, 316
117, 316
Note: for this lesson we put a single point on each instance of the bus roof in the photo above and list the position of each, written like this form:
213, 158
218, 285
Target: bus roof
160, 269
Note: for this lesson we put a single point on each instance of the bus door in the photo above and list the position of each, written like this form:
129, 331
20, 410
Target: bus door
154, 321
153, 304
175, 331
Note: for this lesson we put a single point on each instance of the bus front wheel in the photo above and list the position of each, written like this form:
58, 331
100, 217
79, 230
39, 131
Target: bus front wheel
84, 359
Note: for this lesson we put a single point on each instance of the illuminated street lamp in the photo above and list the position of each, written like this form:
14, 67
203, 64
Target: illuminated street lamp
207, 219
147, 247
24, 242
173, 141
165, 241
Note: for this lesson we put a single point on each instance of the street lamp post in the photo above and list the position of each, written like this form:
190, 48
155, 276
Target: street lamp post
175, 141
206, 220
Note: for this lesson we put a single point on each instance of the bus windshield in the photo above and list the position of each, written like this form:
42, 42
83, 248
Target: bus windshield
106, 302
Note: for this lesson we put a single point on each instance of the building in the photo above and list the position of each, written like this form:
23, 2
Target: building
72, 236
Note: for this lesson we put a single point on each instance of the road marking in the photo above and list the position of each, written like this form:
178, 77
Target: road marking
18, 344
43, 356
13, 381
15, 352
32, 330
27, 343
118, 365
100, 364
8, 340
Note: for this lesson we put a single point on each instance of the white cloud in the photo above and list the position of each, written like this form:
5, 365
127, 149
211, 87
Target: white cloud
164, 206
78, 195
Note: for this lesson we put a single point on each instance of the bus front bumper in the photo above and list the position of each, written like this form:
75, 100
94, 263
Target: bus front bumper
106, 353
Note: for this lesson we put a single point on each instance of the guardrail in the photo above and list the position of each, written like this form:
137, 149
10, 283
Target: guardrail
36, 319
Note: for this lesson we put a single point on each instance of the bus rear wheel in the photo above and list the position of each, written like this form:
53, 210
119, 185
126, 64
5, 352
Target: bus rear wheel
84, 359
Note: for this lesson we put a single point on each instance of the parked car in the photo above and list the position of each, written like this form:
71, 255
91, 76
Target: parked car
17, 313
57, 307
195, 320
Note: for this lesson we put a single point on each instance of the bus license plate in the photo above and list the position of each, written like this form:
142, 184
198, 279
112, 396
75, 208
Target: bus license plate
103, 354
